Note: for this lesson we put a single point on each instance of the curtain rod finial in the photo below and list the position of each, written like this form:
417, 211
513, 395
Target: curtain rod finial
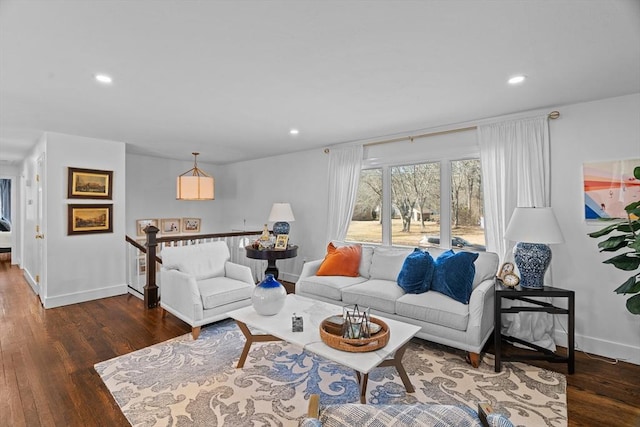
554, 115
326, 151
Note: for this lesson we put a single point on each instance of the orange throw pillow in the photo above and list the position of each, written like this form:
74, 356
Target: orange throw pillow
342, 261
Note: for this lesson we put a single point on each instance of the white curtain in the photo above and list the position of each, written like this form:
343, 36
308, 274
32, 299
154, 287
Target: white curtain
515, 172
344, 174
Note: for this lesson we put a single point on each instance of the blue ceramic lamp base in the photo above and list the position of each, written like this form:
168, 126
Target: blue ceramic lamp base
281, 227
532, 260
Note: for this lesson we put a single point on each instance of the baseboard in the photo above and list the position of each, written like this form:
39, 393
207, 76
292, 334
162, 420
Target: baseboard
31, 281
600, 347
84, 296
288, 277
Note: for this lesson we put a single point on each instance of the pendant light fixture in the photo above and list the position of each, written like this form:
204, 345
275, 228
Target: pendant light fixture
195, 184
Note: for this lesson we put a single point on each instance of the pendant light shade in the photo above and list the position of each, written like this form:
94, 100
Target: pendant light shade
195, 184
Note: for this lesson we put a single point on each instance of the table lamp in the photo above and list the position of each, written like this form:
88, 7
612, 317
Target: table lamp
533, 228
281, 213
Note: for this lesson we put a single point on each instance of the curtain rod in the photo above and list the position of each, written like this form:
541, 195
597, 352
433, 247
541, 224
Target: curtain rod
552, 115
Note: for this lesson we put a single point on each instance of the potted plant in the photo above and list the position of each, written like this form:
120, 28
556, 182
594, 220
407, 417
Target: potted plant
626, 237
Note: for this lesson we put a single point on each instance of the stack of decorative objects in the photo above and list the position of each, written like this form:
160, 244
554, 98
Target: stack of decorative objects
354, 331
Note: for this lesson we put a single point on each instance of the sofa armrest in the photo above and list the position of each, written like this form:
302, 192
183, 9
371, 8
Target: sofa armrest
180, 292
238, 272
310, 268
481, 310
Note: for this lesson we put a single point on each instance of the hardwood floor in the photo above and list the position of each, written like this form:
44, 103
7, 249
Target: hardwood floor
47, 357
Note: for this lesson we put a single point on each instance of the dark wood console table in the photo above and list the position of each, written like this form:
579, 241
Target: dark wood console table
525, 294
271, 255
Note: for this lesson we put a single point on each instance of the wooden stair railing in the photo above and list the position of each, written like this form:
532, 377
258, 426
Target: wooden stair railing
150, 249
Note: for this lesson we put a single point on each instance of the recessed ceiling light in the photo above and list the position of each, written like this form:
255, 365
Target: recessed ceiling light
294, 131
516, 79
103, 78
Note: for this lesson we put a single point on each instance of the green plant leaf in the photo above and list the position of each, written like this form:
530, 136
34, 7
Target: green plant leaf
608, 229
625, 227
636, 172
633, 304
613, 243
633, 208
624, 262
631, 286
635, 245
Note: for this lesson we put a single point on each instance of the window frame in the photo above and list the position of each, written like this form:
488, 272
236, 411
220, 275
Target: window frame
444, 160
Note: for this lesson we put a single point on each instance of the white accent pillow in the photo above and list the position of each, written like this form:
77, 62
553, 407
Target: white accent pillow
386, 263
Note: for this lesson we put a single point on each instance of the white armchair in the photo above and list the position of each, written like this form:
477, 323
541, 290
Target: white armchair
199, 285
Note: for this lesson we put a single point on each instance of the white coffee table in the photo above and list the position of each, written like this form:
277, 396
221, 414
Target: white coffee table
278, 328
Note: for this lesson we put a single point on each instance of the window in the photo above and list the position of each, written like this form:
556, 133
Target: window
467, 208
416, 195
415, 203
366, 222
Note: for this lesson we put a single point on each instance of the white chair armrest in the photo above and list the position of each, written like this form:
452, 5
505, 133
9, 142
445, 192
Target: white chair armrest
180, 292
238, 272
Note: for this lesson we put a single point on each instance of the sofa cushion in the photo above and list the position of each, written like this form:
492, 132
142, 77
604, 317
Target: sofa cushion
219, 291
386, 263
434, 307
377, 294
454, 275
486, 267
341, 261
201, 261
417, 272
326, 286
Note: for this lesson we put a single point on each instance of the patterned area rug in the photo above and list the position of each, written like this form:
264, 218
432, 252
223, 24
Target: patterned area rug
182, 382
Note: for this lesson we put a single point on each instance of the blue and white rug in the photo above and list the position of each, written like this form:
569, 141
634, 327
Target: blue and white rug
182, 382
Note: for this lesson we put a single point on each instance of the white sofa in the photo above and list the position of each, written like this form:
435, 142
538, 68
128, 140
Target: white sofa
442, 319
200, 285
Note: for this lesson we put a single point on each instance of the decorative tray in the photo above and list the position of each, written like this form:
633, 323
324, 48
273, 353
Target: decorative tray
331, 335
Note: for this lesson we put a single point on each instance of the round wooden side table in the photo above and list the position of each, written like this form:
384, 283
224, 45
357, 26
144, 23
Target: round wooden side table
272, 255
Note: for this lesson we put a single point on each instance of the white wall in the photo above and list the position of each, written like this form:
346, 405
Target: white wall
247, 190
82, 267
151, 194
589, 132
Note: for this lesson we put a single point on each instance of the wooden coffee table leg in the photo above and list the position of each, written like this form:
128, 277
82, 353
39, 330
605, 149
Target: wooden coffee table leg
363, 386
251, 338
396, 362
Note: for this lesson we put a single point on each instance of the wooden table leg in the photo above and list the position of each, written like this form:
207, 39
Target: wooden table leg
363, 387
251, 338
396, 362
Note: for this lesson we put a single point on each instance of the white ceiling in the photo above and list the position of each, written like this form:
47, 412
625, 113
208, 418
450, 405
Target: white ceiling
230, 78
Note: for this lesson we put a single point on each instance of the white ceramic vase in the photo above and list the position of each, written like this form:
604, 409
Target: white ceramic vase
268, 296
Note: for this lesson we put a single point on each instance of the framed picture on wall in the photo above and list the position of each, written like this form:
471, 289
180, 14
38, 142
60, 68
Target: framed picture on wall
170, 226
86, 219
89, 184
608, 188
190, 225
141, 224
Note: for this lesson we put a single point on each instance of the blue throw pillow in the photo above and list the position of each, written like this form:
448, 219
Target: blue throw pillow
417, 272
454, 275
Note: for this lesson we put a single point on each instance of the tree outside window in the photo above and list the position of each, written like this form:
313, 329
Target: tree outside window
415, 205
